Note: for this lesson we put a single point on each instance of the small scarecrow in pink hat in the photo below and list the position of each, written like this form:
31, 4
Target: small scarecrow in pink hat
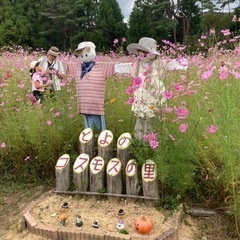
149, 73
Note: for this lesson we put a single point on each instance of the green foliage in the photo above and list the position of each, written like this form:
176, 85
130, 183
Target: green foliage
109, 23
141, 151
124, 231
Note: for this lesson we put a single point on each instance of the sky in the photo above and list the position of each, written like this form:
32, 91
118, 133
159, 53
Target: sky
126, 7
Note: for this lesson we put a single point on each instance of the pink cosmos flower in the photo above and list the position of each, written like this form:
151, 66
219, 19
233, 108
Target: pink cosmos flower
182, 113
21, 85
154, 144
207, 74
237, 64
115, 41
223, 73
236, 75
167, 94
226, 32
234, 19
183, 127
3, 145
179, 87
136, 82
212, 31
49, 122
130, 90
124, 39
150, 137
168, 110
56, 114
212, 129
130, 101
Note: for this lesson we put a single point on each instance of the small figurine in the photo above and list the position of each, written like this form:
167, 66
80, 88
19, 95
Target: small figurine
95, 223
63, 214
121, 212
65, 205
79, 221
120, 225
63, 217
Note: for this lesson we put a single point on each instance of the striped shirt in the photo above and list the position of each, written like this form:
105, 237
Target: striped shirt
91, 88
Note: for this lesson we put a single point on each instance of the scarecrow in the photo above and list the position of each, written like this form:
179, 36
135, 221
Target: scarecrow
91, 78
149, 73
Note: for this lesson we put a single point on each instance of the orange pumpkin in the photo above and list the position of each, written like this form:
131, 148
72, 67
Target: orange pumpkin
143, 224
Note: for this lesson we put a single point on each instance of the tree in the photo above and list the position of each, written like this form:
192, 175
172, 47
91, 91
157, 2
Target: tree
109, 24
184, 11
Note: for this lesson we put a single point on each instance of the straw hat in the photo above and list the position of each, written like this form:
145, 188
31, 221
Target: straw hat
33, 64
54, 51
82, 45
145, 44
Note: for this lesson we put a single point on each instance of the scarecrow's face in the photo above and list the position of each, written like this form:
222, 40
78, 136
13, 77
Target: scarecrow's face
145, 56
87, 54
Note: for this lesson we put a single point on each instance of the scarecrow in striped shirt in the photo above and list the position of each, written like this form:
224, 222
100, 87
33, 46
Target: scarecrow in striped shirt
91, 78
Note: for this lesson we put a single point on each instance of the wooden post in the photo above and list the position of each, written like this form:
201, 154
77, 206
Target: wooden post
62, 172
123, 153
114, 176
105, 145
86, 142
132, 182
81, 172
97, 174
149, 181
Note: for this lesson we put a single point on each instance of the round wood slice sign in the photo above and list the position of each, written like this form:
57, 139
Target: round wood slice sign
105, 138
114, 167
131, 168
86, 135
81, 163
124, 141
149, 171
62, 161
96, 165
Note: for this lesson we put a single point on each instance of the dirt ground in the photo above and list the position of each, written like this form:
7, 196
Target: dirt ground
14, 200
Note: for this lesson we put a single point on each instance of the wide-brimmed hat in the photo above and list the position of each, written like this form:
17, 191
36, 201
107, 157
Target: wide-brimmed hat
54, 51
82, 45
33, 64
145, 44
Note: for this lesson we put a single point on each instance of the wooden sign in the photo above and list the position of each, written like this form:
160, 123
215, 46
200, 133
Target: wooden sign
81, 163
132, 182
105, 145
96, 165
62, 161
97, 172
105, 138
80, 172
62, 172
114, 176
86, 135
131, 168
86, 142
124, 141
150, 183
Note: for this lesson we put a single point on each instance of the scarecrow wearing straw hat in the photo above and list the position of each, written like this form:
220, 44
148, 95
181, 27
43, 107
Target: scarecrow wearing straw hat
91, 78
149, 73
